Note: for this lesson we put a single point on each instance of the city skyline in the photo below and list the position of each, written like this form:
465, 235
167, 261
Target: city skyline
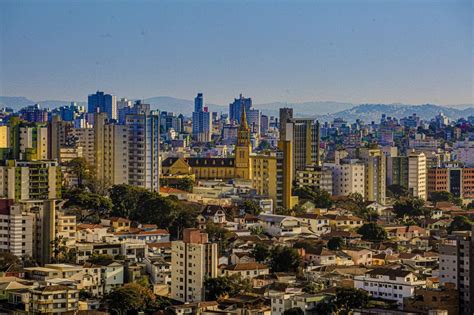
362, 52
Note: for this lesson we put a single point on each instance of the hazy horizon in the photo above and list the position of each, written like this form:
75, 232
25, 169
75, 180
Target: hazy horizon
357, 52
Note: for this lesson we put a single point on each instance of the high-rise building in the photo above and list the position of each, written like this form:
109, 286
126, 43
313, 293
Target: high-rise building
235, 108
30, 180
264, 168
254, 121
202, 120
34, 114
315, 177
144, 147
264, 124
16, 233
192, 261
111, 151
375, 174
456, 264
103, 103
456, 180
417, 175
349, 178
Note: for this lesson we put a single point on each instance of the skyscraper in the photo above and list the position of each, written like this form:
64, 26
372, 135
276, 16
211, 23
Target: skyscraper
235, 108
144, 147
202, 120
103, 103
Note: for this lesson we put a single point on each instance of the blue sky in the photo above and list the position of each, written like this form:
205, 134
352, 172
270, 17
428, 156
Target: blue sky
355, 51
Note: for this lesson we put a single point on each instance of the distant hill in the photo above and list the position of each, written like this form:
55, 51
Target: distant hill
325, 111
18, 102
373, 112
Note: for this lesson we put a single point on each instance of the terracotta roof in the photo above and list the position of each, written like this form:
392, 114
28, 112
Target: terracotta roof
84, 226
171, 190
119, 219
159, 245
246, 266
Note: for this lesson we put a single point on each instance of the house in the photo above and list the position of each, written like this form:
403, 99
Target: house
280, 225
360, 256
247, 270
117, 224
241, 257
317, 224
345, 221
91, 233
389, 284
211, 213
112, 276
405, 232
320, 256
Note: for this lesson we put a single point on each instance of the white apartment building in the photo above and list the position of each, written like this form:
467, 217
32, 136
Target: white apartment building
389, 284
192, 260
463, 151
349, 178
417, 175
16, 230
456, 261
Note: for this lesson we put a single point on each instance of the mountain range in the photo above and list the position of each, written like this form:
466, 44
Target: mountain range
324, 111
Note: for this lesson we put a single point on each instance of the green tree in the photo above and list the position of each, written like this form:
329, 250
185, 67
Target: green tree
100, 259
320, 198
261, 252
372, 232
256, 230
7, 259
80, 168
94, 204
397, 191
293, 311
349, 298
263, 145
312, 287
335, 243
460, 223
437, 196
219, 235
284, 259
131, 297
251, 207
186, 184
410, 207
326, 307
218, 287
126, 199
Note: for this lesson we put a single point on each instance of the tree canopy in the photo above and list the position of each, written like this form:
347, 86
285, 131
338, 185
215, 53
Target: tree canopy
460, 223
320, 198
372, 232
284, 259
335, 243
131, 297
225, 285
410, 207
261, 252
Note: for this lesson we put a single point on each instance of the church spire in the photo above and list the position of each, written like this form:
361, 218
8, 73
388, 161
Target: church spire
243, 119
243, 134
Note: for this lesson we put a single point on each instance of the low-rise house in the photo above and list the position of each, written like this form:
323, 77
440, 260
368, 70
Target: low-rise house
427, 299
320, 256
241, 257
117, 224
389, 284
280, 225
360, 256
148, 235
112, 276
91, 233
317, 224
406, 232
247, 270
345, 221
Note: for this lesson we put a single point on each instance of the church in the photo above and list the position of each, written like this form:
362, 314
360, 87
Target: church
239, 166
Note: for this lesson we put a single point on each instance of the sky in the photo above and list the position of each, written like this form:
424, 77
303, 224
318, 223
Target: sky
365, 51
